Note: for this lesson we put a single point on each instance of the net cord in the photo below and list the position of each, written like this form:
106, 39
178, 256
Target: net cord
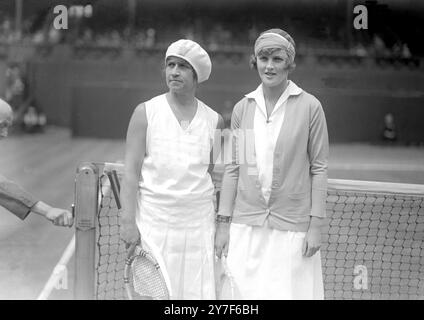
334, 184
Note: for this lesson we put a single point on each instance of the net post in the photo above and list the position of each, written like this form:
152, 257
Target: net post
86, 208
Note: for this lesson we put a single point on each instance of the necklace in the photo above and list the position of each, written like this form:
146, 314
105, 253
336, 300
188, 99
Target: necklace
184, 118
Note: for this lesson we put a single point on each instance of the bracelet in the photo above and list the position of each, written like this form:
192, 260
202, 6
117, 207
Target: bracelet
225, 219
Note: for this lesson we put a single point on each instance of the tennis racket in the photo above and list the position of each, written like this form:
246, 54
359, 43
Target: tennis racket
225, 285
145, 277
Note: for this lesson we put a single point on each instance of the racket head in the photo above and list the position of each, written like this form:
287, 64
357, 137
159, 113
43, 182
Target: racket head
225, 283
143, 275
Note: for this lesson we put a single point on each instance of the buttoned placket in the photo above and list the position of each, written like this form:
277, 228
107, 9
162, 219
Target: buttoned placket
283, 101
260, 101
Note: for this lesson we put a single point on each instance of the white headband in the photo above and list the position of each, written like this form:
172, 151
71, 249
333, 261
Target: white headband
273, 40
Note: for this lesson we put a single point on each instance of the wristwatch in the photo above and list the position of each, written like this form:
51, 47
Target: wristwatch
225, 219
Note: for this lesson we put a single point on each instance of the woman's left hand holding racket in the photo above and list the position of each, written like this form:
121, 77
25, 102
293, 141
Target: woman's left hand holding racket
129, 231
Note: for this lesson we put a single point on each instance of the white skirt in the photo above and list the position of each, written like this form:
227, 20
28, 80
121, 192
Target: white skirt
268, 264
187, 250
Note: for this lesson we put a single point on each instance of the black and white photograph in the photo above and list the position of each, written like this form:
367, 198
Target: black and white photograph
228, 151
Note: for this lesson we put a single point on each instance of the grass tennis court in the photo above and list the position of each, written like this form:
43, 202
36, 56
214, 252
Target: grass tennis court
46, 165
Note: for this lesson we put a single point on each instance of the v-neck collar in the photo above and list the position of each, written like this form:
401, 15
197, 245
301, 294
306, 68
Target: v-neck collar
258, 95
187, 129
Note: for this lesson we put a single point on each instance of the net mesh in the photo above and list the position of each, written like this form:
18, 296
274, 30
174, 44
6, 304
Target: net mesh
111, 252
372, 245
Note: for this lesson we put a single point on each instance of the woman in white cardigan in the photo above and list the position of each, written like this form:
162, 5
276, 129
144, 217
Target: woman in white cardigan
273, 199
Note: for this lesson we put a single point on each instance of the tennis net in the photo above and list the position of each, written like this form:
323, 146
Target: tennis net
372, 245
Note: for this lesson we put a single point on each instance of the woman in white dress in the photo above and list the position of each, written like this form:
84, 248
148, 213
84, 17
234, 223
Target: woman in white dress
273, 201
167, 191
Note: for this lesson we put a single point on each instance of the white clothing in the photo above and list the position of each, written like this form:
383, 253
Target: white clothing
175, 196
268, 264
266, 131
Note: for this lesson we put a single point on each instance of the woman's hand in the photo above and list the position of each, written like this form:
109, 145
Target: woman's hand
312, 241
222, 239
129, 232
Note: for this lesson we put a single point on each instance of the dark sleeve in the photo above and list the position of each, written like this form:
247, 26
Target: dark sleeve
15, 199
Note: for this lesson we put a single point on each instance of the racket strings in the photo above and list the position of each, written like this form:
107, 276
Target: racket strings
147, 280
227, 287
225, 281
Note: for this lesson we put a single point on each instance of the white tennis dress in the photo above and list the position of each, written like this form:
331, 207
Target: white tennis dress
175, 207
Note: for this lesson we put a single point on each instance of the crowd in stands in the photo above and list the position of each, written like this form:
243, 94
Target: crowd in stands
216, 36
377, 47
148, 37
28, 115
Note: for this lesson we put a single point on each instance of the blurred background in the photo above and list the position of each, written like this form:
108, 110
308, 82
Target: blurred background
111, 58
73, 92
